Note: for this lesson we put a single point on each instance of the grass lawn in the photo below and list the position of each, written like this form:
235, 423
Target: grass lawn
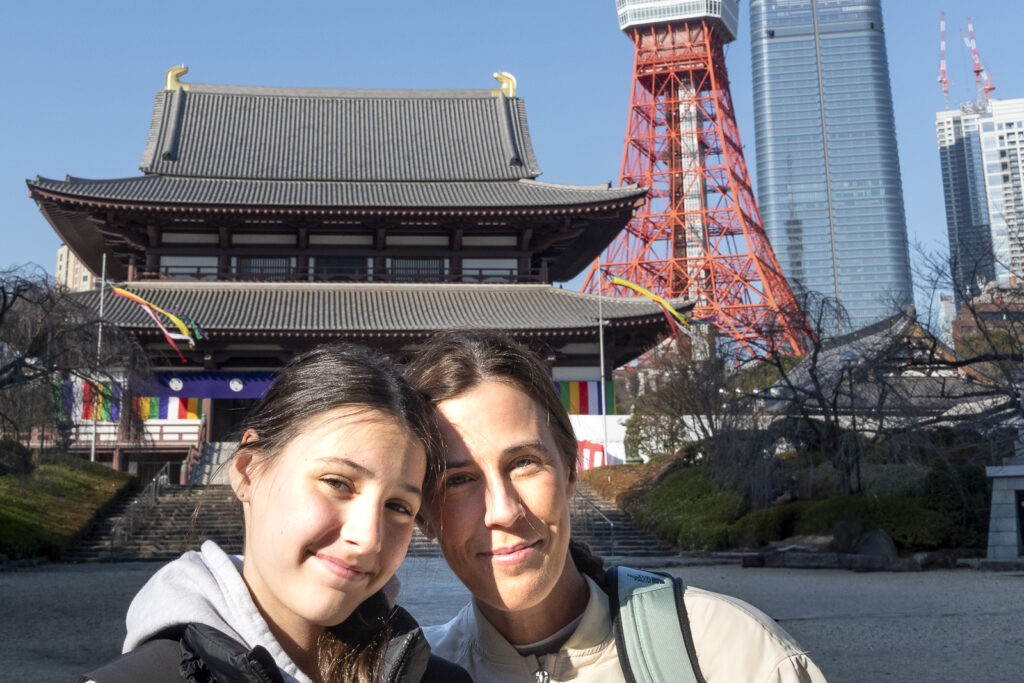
43, 512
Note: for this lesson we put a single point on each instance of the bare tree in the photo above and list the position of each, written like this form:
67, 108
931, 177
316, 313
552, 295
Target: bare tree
47, 337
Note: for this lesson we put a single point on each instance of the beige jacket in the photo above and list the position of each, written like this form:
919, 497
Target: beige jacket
734, 642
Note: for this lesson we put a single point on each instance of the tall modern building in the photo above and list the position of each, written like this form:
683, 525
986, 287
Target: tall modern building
828, 171
72, 273
981, 146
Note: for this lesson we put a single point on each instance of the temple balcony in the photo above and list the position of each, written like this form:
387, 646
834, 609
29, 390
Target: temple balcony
274, 273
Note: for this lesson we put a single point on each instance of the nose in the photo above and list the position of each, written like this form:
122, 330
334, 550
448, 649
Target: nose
362, 528
502, 506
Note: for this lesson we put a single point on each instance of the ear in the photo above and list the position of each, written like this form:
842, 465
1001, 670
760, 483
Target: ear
241, 466
570, 484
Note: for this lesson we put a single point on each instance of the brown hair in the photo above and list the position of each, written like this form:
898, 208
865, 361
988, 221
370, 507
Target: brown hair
454, 362
326, 378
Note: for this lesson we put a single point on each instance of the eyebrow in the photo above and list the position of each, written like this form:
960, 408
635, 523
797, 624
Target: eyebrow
363, 471
524, 446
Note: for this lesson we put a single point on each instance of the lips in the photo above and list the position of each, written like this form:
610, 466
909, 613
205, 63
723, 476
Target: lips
512, 554
341, 569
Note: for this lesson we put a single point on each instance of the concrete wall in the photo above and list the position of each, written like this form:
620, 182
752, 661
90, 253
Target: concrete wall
1004, 532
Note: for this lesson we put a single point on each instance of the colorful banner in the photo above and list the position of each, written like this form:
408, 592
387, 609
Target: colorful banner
669, 311
188, 330
210, 384
169, 408
101, 401
83, 399
584, 398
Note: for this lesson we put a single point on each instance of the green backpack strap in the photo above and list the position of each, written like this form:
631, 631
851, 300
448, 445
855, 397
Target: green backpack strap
652, 631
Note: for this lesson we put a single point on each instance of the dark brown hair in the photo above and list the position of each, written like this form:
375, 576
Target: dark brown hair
454, 362
326, 378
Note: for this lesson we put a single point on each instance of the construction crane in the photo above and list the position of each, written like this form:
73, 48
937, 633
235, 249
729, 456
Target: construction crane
983, 79
943, 78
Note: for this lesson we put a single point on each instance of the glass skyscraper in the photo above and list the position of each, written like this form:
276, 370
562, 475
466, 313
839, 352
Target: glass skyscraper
981, 148
828, 171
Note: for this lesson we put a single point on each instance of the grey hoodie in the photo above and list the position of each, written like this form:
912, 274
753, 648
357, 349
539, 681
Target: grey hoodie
204, 587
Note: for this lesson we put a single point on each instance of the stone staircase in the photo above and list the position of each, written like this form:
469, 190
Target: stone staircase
165, 529
608, 531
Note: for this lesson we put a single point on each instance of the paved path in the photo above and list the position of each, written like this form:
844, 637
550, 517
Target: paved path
56, 621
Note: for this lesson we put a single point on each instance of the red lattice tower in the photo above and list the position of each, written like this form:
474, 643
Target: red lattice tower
699, 236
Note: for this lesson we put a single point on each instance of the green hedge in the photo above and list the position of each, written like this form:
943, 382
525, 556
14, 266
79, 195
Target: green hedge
42, 513
686, 508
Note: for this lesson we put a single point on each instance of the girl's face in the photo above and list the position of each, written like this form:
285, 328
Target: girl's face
502, 518
329, 518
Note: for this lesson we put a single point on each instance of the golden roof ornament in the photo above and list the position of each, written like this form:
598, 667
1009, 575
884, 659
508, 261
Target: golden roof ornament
173, 79
508, 84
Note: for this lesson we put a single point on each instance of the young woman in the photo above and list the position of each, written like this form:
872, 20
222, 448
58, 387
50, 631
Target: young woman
539, 611
330, 472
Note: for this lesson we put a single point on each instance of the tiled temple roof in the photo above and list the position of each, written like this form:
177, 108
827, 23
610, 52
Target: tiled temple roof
348, 307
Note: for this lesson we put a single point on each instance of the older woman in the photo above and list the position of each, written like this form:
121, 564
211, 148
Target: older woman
539, 610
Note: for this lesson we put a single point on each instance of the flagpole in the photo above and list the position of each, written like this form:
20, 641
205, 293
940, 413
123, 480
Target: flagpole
99, 347
600, 353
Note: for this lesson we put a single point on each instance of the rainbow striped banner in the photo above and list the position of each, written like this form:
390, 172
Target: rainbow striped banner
85, 399
101, 401
584, 398
172, 408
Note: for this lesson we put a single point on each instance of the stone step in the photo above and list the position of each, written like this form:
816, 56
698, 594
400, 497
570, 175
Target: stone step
169, 529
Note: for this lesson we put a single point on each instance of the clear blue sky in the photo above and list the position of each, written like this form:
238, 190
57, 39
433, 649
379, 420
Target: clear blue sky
80, 77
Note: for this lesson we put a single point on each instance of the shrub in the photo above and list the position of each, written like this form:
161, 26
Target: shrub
820, 516
761, 527
910, 523
687, 509
14, 458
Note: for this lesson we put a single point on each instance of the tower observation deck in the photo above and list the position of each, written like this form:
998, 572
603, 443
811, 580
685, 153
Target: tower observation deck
699, 235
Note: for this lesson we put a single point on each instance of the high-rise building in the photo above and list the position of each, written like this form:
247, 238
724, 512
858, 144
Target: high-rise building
72, 273
828, 171
981, 146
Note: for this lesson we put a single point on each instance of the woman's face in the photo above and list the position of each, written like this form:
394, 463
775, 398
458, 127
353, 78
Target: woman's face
329, 519
502, 518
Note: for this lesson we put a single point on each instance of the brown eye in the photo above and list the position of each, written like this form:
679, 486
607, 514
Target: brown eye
456, 480
400, 507
337, 483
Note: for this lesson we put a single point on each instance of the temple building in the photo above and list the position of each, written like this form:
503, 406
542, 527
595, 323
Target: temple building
279, 218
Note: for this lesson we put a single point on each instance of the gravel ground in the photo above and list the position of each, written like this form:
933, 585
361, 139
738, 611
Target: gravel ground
958, 625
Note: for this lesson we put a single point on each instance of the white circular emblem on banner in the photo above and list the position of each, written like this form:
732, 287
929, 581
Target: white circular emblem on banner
236, 384
176, 384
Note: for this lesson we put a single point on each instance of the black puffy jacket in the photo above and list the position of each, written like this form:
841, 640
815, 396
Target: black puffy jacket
201, 654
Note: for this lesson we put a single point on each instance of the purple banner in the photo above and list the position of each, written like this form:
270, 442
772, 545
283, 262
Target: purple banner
211, 384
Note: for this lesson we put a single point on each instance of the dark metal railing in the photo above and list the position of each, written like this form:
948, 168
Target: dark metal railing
421, 275
588, 517
138, 513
